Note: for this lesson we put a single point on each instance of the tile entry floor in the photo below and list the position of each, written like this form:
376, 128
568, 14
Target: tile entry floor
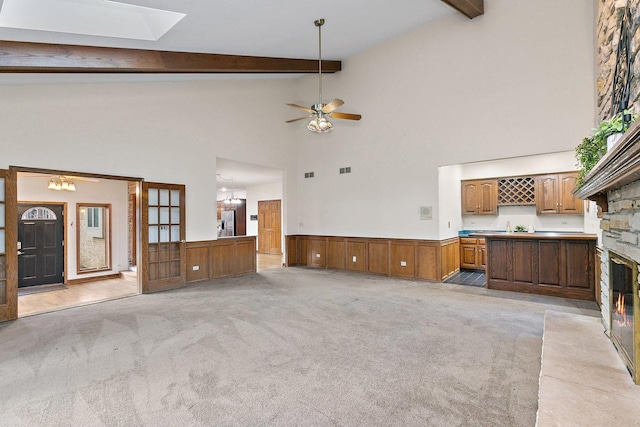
468, 278
75, 296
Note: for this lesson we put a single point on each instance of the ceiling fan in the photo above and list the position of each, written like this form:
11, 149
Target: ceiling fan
319, 113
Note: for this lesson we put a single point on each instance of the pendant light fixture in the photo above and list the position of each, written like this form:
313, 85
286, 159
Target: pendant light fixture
230, 199
319, 112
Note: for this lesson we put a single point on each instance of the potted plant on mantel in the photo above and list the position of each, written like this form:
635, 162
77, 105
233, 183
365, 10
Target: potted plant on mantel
592, 148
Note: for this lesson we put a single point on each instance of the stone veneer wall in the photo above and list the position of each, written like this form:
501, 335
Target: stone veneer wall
620, 233
608, 32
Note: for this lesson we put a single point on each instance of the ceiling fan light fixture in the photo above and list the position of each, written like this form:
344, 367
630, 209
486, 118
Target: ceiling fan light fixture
320, 125
320, 111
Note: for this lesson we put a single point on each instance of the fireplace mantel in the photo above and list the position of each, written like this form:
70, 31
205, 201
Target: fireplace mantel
618, 167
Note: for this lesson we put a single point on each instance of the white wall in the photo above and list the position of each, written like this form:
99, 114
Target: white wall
564, 161
450, 196
516, 81
168, 132
34, 189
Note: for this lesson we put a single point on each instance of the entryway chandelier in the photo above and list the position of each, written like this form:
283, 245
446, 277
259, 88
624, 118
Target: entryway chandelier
62, 183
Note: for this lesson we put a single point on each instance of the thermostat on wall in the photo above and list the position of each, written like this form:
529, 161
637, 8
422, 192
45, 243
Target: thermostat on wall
253, 217
426, 212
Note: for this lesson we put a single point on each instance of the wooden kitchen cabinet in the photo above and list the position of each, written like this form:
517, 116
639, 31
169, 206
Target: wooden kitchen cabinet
480, 197
473, 253
555, 195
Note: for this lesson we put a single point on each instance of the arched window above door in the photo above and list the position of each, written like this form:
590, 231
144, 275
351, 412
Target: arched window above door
39, 213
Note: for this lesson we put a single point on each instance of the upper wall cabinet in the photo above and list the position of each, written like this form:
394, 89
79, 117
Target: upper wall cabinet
555, 195
551, 194
480, 197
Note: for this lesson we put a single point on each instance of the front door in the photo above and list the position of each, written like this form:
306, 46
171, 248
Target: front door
8, 261
163, 232
269, 228
40, 244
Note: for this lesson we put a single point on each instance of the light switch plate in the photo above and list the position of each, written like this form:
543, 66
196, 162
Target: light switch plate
354, 259
196, 267
403, 263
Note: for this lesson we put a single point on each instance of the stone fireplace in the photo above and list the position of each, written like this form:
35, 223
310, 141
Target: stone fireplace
614, 183
623, 302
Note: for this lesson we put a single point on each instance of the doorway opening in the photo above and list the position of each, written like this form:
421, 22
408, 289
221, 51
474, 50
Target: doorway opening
77, 245
255, 185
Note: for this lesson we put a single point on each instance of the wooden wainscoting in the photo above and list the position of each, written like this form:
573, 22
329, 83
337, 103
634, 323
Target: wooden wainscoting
378, 256
432, 260
226, 257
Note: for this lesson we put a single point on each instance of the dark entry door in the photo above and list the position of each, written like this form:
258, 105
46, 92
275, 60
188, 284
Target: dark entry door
41, 243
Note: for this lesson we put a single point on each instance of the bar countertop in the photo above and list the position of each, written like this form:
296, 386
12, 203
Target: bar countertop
538, 235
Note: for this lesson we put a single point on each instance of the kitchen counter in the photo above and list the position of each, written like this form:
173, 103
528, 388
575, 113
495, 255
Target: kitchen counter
546, 263
537, 235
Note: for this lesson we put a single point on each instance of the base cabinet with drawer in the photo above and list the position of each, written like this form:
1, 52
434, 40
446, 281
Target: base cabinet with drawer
473, 253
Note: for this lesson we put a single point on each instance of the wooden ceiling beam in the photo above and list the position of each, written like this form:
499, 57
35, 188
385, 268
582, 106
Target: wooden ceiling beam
24, 57
469, 8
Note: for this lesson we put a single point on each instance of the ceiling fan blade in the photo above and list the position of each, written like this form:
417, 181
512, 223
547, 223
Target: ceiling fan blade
332, 105
298, 119
308, 110
345, 116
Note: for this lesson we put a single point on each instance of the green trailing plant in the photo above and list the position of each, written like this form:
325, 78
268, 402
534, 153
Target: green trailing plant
520, 228
593, 147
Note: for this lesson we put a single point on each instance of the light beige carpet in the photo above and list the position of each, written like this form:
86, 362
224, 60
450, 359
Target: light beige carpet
285, 347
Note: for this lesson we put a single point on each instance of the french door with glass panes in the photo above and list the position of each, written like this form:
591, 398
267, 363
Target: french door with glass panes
8, 250
163, 237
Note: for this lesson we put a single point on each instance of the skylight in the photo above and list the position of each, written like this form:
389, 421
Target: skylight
89, 17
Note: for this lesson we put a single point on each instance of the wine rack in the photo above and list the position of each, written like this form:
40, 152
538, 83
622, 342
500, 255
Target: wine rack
517, 191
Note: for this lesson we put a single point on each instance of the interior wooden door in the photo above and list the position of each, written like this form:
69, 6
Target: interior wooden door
133, 234
163, 233
269, 227
8, 251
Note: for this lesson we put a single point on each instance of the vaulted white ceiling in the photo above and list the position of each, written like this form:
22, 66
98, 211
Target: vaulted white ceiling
278, 28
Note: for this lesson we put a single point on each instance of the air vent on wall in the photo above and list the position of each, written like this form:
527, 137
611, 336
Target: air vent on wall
345, 170
308, 174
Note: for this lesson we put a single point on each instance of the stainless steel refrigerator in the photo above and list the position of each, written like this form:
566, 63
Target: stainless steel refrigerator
228, 226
